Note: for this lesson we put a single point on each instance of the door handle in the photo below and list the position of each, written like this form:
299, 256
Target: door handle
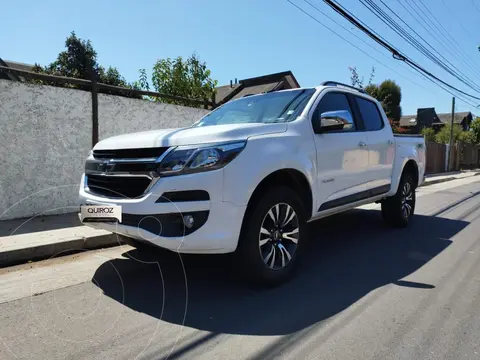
390, 142
362, 144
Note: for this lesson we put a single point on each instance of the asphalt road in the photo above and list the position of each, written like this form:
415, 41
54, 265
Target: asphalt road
364, 292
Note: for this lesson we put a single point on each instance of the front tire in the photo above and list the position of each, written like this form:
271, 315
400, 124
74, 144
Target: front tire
273, 235
398, 210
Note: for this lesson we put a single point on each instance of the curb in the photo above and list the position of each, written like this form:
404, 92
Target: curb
438, 181
61, 248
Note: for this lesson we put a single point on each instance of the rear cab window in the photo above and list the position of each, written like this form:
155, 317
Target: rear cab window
370, 113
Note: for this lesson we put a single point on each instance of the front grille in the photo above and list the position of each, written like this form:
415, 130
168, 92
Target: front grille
117, 186
125, 167
129, 153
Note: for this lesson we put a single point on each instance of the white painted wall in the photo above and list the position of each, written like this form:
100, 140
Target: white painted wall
45, 135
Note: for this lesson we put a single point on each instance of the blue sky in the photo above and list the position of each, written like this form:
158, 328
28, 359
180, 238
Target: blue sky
241, 39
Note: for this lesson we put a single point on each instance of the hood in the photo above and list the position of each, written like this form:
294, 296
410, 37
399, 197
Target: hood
189, 136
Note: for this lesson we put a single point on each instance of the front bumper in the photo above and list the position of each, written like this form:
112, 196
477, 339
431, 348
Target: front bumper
145, 219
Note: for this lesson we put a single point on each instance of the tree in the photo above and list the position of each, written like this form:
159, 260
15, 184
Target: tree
76, 62
355, 79
372, 90
388, 93
189, 78
79, 60
475, 128
398, 129
428, 133
111, 77
467, 137
443, 136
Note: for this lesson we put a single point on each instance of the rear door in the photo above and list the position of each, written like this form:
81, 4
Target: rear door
342, 156
381, 146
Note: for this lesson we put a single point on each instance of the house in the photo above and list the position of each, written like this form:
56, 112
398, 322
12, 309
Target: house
256, 85
464, 119
14, 65
427, 117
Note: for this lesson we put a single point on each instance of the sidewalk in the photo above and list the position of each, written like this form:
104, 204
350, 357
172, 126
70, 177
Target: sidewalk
23, 240
37, 238
454, 175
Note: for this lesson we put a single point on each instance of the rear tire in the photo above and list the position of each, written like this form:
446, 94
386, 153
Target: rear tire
273, 235
398, 210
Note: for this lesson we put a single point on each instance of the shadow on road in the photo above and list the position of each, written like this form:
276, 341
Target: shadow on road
350, 255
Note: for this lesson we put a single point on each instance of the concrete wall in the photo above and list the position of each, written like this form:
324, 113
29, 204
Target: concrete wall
120, 115
45, 135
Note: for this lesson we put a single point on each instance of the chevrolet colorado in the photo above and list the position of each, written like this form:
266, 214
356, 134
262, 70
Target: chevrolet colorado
248, 176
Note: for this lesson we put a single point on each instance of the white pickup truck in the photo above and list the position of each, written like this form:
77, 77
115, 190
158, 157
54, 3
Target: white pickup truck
248, 176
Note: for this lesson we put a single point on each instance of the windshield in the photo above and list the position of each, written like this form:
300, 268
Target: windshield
272, 107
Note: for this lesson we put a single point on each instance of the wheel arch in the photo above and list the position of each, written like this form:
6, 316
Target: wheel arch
411, 168
291, 178
408, 165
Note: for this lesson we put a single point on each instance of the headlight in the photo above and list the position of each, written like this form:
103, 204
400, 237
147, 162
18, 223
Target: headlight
190, 159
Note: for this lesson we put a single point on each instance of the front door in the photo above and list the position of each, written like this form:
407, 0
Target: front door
342, 157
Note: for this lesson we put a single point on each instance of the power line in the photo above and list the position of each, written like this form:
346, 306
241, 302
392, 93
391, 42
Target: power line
454, 41
442, 34
382, 15
465, 100
396, 54
462, 98
390, 22
455, 17
427, 21
439, 29
475, 5
359, 38
348, 41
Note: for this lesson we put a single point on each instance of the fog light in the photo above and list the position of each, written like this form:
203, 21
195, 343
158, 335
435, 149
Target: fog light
188, 221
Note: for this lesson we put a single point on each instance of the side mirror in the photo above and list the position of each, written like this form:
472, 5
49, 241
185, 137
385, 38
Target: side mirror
334, 121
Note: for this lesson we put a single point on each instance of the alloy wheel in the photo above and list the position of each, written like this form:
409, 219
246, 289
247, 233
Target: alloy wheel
279, 236
407, 200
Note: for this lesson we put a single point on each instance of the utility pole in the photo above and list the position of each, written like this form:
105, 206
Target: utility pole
449, 159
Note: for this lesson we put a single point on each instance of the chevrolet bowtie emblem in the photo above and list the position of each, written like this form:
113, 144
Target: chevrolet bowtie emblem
106, 166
